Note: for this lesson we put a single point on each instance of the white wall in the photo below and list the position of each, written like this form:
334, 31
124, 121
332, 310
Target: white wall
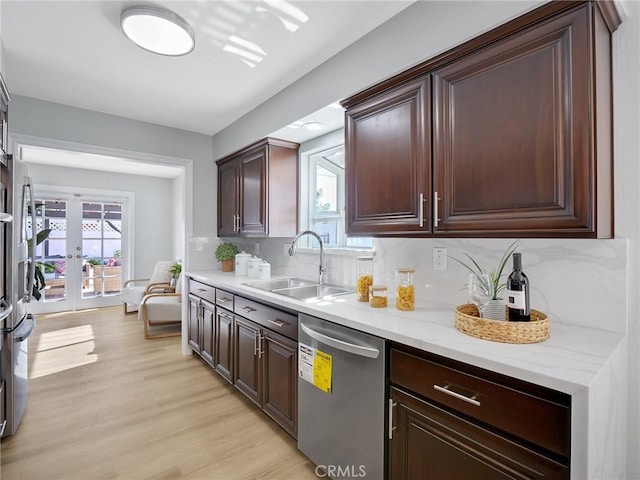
606, 270
37, 118
153, 208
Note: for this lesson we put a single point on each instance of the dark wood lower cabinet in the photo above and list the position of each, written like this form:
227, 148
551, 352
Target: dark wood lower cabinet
234, 337
208, 314
280, 380
223, 344
247, 372
431, 443
194, 323
201, 326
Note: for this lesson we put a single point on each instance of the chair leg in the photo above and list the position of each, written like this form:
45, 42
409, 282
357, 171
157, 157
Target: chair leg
128, 312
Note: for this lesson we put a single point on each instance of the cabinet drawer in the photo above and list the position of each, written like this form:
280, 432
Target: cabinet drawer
224, 299
202, 290
281, 322
528, 411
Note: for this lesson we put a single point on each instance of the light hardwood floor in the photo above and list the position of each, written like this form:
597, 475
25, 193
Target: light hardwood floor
106, 404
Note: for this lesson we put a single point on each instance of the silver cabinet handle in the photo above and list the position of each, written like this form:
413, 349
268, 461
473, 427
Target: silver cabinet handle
248, 309
421, 209
436, 219
341, 344
6, 218
201, 289
260, 352
2, 427
391, 427
278, 323
223, 299
445, 389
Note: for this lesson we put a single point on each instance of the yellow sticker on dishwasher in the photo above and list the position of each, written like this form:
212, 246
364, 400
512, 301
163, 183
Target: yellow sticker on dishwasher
314, 367
322, 371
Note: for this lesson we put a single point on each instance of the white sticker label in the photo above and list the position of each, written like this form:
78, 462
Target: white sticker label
305, 362
516, 299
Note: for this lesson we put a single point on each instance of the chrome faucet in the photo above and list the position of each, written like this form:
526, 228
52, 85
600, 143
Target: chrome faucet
292, 249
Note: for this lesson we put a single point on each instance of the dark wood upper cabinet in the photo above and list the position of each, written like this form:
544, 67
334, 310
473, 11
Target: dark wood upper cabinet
516, 139
388, 171
258, 190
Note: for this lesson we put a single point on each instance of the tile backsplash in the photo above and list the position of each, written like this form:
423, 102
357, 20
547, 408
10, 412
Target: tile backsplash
578, 282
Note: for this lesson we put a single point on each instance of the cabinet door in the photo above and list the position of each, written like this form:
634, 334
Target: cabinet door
246, 372
253, 194
280, 380
223, 346
228, 199
513, 153
387, 165
194, 323
208, 313
430, 443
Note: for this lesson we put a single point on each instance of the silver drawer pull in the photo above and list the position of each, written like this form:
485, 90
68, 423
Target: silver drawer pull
202, 289
278, 323
248, 309
445, 389
223, 300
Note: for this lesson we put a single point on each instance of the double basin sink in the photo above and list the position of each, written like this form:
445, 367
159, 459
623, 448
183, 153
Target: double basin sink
300, 289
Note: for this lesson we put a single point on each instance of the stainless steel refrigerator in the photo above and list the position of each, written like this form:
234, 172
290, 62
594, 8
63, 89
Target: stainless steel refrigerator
17, 284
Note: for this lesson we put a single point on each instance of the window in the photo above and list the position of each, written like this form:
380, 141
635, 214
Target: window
326, 193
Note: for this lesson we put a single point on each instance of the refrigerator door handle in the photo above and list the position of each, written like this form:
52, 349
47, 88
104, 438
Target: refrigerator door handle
7, 308
32, 248
24, 336
341, 344
6, 218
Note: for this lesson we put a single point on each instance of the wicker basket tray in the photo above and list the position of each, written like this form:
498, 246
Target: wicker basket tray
467, 321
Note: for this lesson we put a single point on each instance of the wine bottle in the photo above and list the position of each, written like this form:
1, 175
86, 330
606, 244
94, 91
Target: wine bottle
518, 292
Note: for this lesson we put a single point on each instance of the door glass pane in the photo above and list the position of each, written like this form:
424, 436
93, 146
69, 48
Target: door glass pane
101, 249
51, 253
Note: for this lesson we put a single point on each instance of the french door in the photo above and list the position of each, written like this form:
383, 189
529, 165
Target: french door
82, 259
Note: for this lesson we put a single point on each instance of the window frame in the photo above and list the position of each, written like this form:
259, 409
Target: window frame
308, 187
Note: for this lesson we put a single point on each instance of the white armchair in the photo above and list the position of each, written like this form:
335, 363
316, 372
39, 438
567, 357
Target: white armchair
161, 313
160, 282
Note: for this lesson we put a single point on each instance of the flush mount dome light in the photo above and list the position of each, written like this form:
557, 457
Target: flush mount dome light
313, 126
157, 30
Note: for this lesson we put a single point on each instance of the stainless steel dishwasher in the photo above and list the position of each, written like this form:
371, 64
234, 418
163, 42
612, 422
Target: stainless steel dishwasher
341, 399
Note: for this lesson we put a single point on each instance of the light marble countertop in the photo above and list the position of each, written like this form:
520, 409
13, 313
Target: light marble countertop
569, 361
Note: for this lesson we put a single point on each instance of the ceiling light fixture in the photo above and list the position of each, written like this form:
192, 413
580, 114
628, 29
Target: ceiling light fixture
157, 30
313, 126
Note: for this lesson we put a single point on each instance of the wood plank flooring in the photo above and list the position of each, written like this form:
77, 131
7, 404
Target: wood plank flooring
106, 404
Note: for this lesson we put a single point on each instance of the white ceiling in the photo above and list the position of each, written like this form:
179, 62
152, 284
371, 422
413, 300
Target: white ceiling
74, 53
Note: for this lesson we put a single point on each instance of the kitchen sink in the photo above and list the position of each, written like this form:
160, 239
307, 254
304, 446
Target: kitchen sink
299, 288
277, 284
313, 291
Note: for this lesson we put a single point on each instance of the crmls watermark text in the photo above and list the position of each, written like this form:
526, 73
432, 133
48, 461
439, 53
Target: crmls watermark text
341, 471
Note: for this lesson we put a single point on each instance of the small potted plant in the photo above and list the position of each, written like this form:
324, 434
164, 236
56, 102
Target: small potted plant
493, 281
225, 253
175, 271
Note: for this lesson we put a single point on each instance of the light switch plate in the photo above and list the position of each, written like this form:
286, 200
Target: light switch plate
439, 258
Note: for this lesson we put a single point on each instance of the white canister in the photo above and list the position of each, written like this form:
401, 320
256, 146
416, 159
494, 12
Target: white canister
242, 263
254, 263
264, 270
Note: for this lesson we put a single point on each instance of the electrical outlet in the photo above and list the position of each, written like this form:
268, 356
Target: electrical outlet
287, 246
439, 258
256, 248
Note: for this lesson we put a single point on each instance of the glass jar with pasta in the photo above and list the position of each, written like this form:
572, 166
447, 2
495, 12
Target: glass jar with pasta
364, 274
378, 296
405, 290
